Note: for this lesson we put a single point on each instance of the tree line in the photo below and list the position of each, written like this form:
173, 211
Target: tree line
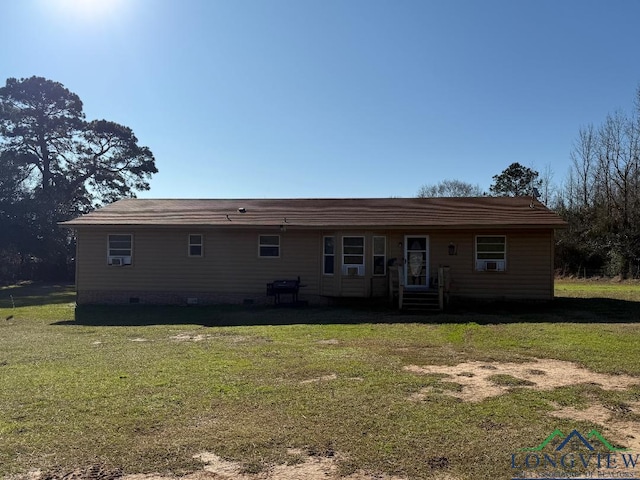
601, 198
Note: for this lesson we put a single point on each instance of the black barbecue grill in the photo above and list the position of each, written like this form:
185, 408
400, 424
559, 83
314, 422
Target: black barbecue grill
283, 287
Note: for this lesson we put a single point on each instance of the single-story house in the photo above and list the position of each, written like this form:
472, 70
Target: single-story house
227, 251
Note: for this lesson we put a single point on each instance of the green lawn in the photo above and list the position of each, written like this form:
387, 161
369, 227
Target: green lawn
626, 290
143, 389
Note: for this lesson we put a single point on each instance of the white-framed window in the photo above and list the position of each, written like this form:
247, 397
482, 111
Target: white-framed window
196, 245
379, 255
119, 249
491, 253
328, 255
353, 255
269, 246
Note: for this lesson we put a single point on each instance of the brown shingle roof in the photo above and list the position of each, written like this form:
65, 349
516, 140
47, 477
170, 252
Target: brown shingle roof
316, 213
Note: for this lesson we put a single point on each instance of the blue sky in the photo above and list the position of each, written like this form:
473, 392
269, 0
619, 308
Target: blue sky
328, 98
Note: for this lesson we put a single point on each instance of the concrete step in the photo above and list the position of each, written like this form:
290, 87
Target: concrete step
420, 301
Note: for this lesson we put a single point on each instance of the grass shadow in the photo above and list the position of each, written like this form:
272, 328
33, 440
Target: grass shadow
563, 309
33, 294
606, 310
229, 315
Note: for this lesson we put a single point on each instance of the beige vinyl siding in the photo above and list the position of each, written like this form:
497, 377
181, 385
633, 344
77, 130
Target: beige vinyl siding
354, 287
529, 268
379, 286
230, 263
329, 286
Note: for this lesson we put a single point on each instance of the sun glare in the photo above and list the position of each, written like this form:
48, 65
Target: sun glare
87, 10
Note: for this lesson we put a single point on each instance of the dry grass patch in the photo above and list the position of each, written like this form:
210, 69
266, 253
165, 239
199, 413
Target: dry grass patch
481, 380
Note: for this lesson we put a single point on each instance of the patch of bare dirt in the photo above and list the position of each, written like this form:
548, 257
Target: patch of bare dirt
216, 468
625, 431
191, 336
323, 378
619, 422
188, 337
475, 378
93, 472
311, 468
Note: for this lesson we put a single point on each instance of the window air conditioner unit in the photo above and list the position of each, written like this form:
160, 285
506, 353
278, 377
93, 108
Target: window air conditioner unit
119, 261
492, 266
353, 270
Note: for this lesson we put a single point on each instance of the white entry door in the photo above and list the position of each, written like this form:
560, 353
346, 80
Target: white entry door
416, 261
